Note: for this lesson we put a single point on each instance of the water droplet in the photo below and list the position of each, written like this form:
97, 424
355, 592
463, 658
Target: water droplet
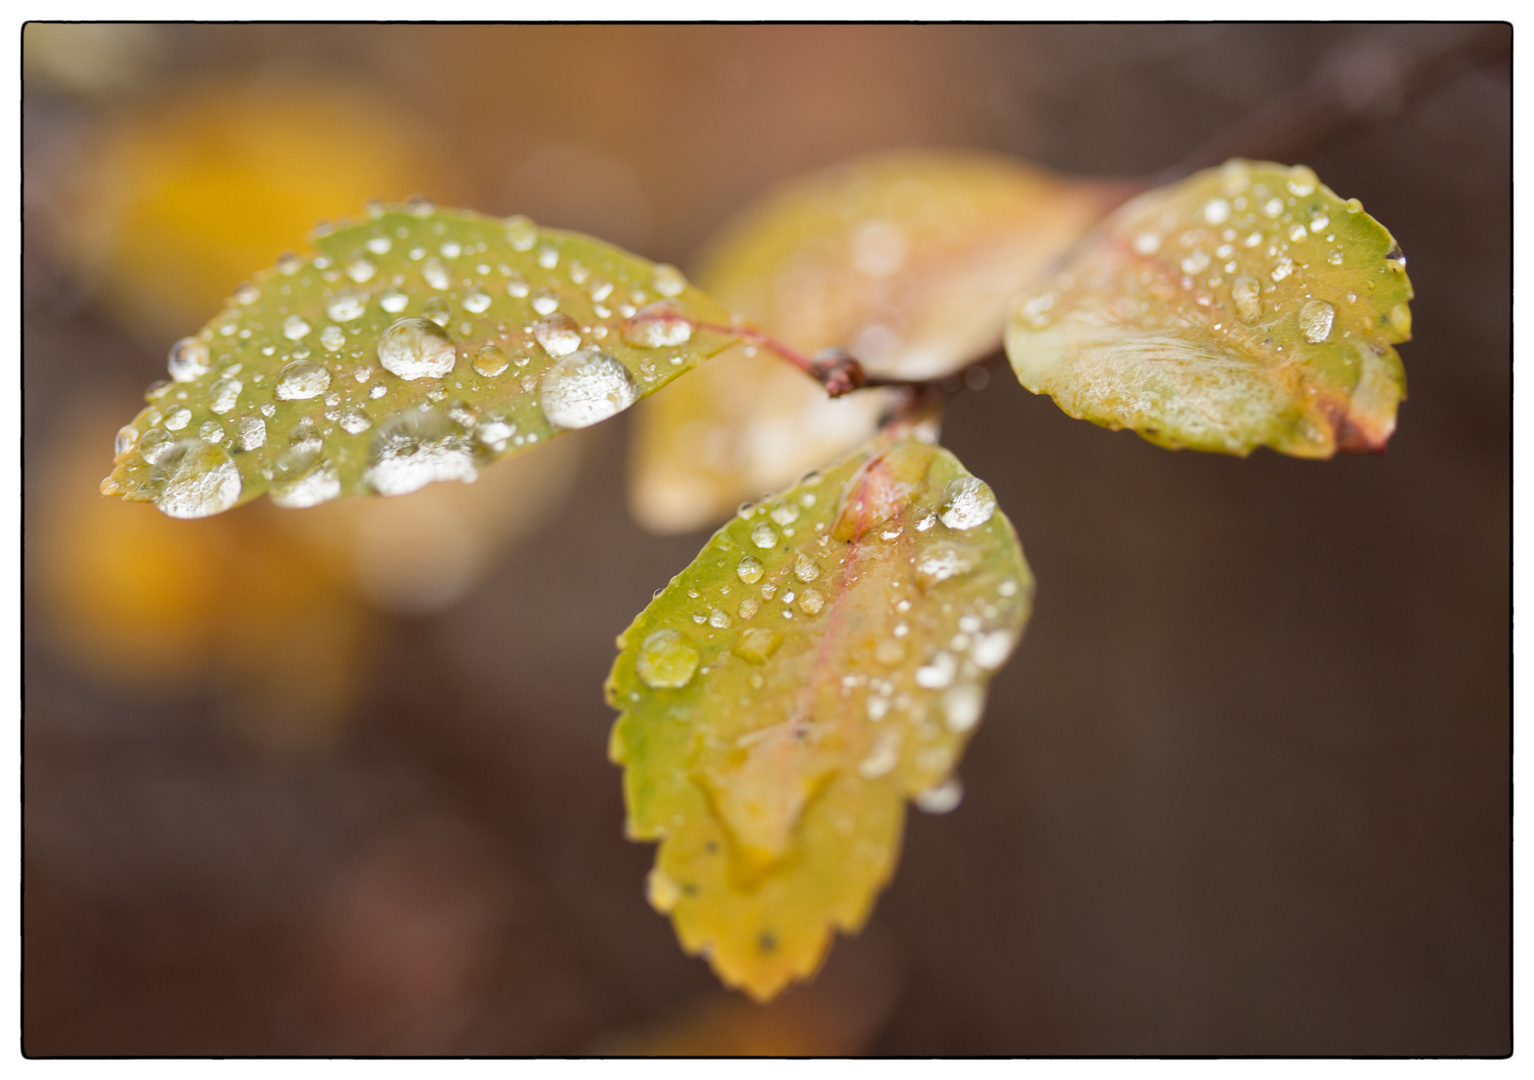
584, 388
1316, 320
940, 564
127, 439
417, 349
178, 419
1283, 266
188, 360
355, 422
883, 758
1297, 233
393, 302
302, 379
719, 619
476, 303
1335, 257
294, 328
438, 311
756, 644
938, 673
748, 608
379, 245
1400, 319
1273, 207
417, 447
669, 280
1319, 222
991, 650
811, 601
495, 433
889, 652
194, 479
521, 233
764, 535
1147, 243
769, 590
247, 294
548, 257
658, 325
545, 302
436, 274
1248, 297
941, 799
360, 270
346, 306
289, 263
252, 433
967, 502
1302, 181
300, 479
420, 206
1195, 262
785, 514
666, 661
559, 334
926, 523
516, 287
451, 249
268, 410
490, 361
1216, 211
806, 569
224, 394
750, 568
211, 431
1354, 206
962, 706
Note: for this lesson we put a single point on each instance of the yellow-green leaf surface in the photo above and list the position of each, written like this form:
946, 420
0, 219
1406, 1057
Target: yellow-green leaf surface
908, 259
822, 660
1246, 306
413, 346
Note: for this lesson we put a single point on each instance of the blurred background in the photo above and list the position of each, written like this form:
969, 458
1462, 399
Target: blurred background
335, 781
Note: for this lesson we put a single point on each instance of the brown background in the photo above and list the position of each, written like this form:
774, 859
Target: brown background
1243, 789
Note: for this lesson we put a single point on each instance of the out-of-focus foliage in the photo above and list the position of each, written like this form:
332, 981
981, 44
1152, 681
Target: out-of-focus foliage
168, 208
1245, 306
235, 604
909, 259
823, 659
413, 347
89, 59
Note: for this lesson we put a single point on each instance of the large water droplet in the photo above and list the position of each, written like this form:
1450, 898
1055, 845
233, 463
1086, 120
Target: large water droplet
584, 388
658, 325
1316, 320
194, 479
559, 334
967, 502
417, 349
225, 394
750, 569
1247, 294
188, 360
666, 660
415, 448
302, 379
211, 431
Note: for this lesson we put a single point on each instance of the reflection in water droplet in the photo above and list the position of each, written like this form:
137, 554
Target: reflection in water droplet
417, 349
1316, 320
302, 379
666, 660
764, 535
750, 569
559, 335
188, 360
967, 502
1247, 294
490, 361
194, 479
417, 447
584, 388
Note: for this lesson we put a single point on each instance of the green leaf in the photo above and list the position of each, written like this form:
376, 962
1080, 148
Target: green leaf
823, 659
417, 345
1245, 306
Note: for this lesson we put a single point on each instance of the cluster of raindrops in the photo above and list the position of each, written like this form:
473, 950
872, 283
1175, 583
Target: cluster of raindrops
374, 339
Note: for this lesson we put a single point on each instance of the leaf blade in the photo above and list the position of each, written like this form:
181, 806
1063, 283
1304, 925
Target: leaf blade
819, 663
415, 346
1245, 306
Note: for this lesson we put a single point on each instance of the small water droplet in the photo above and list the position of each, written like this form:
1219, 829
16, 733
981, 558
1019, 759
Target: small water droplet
490, 361
719, 619
942, 799
247, 294
251, 433
967, 503
211, 431
748, 608
548, 257
355, 422
883, 758
436, 274
477, 302
669, 280
811, 601
521, 233
658, 325
559, 334
584, 388
785, 514
294, 328
1297, 233
360, 270
346, 306
178, 419
938, 673
889, 652
1273, 207
750, 569
300, 479
1302, 180
302, 379
420, 206
1319, 222
1400, 319
225, 394
666, 661
991, 650
806, 569
393, 302
1335, 257
1283, 266
1316, 320
417, 349
764, 535
757, 644
962, 706
188, 360
289, 263
127, 439
940, 564
516, 287
438, 311
379, 245
545, 302
1216, 211
1247, 294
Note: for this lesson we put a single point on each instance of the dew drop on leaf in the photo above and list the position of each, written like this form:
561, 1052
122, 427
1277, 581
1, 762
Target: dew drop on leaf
193, 479
584, 388
417, 349
188, 360
967, 502
301, 380
1316, 320
666, 660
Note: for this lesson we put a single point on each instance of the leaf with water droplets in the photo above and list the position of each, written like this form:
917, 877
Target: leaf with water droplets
823, 660
908, 259
1245, 306
414, 346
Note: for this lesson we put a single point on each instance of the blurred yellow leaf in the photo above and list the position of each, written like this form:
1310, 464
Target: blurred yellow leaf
909, 259
177, 201
1245, 306
823, 659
